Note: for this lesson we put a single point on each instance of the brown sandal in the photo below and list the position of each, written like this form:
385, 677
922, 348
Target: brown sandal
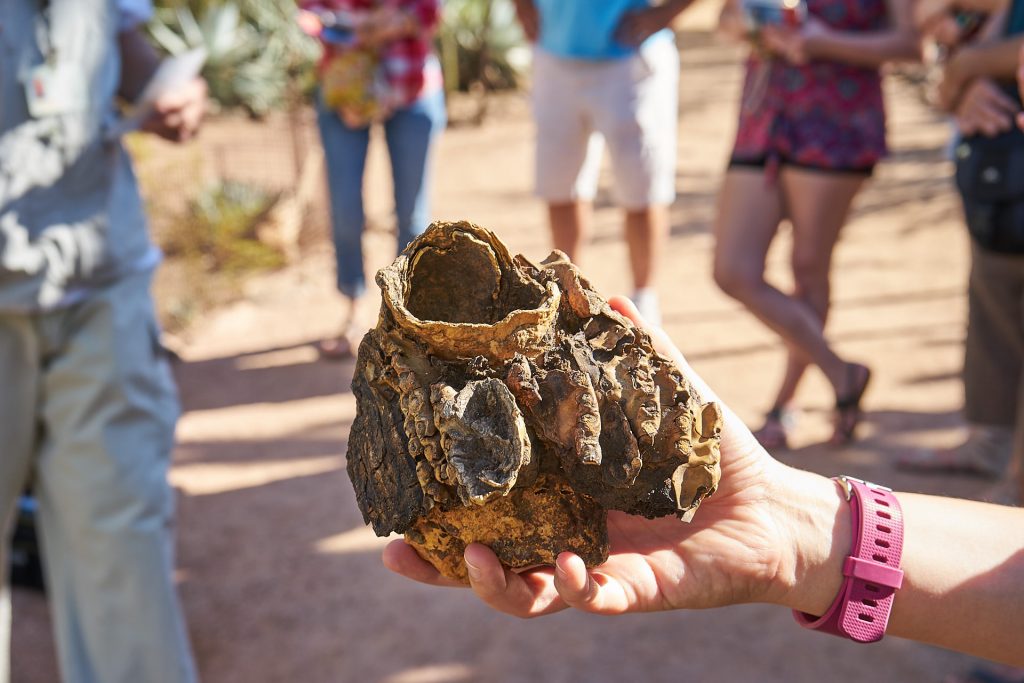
774, 433
848, 412
336, 349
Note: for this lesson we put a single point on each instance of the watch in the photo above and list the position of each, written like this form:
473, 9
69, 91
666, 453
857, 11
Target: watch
871, 572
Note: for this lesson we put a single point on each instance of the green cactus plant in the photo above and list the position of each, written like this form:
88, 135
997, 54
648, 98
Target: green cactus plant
258, 58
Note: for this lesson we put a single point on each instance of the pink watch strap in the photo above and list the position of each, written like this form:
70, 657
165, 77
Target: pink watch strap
871, 573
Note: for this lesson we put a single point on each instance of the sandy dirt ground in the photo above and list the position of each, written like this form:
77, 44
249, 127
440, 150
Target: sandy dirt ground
282, 582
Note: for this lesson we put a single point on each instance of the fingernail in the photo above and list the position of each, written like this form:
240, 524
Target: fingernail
473, 571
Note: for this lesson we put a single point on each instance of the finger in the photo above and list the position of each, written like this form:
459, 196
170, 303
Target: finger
992, 118
998, 100
182, 96
736, 437
662, 343
996, 124
585, 591
529, 594
192, 116
966, 125
401, 558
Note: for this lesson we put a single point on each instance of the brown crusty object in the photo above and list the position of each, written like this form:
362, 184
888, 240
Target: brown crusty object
506, 403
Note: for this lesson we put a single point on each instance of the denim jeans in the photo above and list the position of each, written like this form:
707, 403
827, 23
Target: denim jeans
410, 133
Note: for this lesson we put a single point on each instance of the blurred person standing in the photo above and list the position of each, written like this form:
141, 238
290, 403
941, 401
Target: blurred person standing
606, 72
811, 129
378, 67
978, 88
87, 403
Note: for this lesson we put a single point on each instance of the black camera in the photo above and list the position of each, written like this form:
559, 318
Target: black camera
25, 557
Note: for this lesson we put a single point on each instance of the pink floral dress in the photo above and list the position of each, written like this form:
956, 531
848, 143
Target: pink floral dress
823, 115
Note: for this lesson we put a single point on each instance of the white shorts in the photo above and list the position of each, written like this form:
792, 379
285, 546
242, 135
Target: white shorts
631, 103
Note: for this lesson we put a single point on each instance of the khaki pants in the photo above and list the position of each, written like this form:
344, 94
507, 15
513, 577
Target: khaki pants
88, 407
994, 349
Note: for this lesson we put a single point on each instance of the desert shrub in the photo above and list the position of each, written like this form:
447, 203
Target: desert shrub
258, 58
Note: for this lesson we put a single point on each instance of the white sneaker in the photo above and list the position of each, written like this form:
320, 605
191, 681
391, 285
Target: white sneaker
646, 301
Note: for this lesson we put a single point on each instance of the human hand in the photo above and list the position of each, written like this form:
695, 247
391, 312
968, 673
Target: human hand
984, 108
177, 113
795, 45
731, 24
739, 547
309, 22
529, 19
639, 25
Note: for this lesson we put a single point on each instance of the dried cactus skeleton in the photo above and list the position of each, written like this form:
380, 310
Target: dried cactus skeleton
506, 403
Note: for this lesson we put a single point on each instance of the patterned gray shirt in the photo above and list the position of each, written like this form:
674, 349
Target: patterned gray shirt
70, 214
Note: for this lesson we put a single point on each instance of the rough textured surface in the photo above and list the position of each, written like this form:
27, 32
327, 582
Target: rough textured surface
529, 526
505, 402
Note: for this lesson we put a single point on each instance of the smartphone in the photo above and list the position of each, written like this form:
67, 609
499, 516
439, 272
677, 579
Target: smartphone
759, 13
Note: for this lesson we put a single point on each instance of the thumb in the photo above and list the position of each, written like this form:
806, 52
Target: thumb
736, 437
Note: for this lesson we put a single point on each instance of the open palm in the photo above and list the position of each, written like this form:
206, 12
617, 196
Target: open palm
728, 554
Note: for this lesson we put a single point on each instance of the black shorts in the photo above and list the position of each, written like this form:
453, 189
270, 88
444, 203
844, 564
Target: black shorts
762, 162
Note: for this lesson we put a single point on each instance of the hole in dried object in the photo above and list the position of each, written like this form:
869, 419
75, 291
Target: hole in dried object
456, 284
866, 617
869, 602
884, 514
882, 544
871, 587
883, 528
879, 558
463, 281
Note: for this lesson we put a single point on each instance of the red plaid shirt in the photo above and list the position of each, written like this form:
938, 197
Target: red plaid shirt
410, 73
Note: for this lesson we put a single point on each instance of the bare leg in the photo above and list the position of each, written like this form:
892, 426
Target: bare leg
749, 211
646, 230
810, 261
344, 345
743, 237
818, 204
570, 226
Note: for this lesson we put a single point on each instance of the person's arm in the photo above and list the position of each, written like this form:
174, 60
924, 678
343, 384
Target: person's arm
926, 11
529, 19
816, 40
996, 59
963, 564
774, 534
984, 108
639, 25
731, 24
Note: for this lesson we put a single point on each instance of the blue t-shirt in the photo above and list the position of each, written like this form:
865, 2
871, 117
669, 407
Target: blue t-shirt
585, 29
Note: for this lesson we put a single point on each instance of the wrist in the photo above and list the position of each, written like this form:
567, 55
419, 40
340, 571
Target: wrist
816, 46
960, 67
814, 518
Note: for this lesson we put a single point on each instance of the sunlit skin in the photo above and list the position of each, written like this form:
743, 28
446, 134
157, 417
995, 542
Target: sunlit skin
778, 535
